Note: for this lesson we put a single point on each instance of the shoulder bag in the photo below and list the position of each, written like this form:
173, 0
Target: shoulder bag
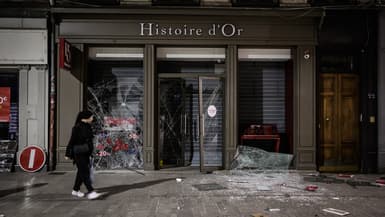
81, 148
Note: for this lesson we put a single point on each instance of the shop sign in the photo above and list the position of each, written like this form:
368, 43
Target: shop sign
5, 103
64, 54
212, 111
227, 30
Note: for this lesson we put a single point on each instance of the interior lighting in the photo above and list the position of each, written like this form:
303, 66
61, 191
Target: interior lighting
195, 56
119, 55
116, 53
264, 54
189, 54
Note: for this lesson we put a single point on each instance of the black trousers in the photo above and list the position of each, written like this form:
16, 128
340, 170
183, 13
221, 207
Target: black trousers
83, 174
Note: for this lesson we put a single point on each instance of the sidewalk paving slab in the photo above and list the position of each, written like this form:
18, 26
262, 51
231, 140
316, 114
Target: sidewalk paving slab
159, 193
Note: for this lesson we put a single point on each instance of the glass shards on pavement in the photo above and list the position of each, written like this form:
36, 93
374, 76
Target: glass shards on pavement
257, 159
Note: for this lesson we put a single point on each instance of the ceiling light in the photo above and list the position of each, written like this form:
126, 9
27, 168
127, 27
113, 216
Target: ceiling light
264, 54
195, 56
119, 55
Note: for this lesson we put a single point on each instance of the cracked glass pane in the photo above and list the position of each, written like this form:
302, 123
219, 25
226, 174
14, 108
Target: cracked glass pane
115, 96
254, 158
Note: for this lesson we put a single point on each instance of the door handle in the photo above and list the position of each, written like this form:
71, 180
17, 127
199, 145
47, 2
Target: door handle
203, 125
185, 124
196, 128
181, 124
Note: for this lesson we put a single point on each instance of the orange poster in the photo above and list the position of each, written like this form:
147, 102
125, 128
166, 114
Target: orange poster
5, 103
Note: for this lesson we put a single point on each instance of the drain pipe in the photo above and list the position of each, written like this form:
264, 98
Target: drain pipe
52, 97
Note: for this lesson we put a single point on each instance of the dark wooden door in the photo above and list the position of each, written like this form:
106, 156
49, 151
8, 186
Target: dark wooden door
339, 123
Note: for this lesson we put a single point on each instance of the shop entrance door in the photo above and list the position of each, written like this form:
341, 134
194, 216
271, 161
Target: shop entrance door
191, 122
339, 123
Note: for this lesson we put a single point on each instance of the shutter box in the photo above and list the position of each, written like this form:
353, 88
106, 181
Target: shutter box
257, 3
333, 2
176, 2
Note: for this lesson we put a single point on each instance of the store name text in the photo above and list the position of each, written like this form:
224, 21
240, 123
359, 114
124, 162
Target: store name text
154, 29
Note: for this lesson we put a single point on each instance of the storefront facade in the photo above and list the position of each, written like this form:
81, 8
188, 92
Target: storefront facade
180, 88
23, 86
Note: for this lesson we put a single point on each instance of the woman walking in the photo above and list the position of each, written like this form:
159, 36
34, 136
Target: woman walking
79, 149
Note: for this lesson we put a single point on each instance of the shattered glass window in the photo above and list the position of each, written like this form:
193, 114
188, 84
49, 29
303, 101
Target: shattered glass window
253, 158
115, 96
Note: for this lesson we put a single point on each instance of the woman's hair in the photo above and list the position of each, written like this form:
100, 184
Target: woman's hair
82, 115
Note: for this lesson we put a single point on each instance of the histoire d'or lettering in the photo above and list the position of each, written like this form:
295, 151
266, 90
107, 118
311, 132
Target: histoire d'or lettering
154, 29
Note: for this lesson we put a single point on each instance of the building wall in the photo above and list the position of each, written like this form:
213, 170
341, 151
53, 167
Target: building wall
24, 47
69, 101
305, 109
354, 33
33, 110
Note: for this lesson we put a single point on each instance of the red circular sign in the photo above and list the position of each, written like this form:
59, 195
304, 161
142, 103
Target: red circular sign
32, 158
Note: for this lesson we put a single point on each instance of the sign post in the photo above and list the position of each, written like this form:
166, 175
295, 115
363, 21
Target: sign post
32, 158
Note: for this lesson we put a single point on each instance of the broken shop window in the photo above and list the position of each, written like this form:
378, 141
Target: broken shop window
253, 158
117, 105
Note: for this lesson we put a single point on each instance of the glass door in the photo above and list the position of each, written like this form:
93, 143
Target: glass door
191, 118
178, 112
211, 124
190, 106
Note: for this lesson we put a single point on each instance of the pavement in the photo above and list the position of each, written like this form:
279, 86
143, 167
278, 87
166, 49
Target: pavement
189, 193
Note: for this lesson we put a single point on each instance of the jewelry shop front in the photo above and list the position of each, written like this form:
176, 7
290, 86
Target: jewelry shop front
171, 90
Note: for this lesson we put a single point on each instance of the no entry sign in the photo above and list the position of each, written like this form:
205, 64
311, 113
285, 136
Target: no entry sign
32, 158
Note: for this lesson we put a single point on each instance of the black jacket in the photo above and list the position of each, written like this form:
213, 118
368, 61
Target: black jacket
81, 133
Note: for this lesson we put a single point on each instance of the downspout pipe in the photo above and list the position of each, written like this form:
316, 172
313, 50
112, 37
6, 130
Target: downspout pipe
52, 97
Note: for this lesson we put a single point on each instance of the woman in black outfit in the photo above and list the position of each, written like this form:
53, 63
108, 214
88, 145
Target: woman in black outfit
81, 134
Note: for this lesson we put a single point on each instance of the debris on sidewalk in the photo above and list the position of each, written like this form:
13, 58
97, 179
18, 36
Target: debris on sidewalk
336, 211
264, 188
237, 181
355, 183
209, 187
258, 215
313, 174
348, 179
323, 178
311, 188
288, 186
377, 184
178, 179
273, 209
345, 175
